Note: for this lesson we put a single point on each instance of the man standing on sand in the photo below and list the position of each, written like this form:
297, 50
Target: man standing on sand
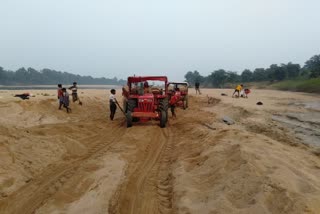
74, 89
65, 100
113, 102
197, 86
173, 102
60, 96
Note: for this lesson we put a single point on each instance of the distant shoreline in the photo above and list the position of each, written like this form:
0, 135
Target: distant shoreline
50, 87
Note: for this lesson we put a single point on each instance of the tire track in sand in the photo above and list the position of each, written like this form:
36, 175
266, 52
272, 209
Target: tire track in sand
34, 194
148, 188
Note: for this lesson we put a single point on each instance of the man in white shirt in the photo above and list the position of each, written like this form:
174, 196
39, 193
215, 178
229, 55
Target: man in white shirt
74, 89
112, 101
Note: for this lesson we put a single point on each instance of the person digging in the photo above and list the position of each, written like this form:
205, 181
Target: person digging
113, 103
237, 90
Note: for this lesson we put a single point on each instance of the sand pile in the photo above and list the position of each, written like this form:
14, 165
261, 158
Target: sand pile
237, 172
54, 162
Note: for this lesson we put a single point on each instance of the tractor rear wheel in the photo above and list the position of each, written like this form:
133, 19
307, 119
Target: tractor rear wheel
129, 119
163, 118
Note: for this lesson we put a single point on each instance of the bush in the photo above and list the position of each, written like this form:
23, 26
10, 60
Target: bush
309, 85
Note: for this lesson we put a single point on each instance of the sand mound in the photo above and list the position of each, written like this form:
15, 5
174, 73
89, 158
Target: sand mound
54, 162
235, 176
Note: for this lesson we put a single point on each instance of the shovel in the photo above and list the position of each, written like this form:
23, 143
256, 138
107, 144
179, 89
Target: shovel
120, 108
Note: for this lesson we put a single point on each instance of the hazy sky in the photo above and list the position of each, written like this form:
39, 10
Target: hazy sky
165, 37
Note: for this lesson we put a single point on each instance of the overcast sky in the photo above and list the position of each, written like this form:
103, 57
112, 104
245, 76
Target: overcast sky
107, 38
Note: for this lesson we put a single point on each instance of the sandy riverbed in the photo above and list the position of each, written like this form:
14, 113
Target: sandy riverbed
267, 162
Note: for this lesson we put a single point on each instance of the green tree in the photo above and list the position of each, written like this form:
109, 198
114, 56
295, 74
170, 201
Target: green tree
193, 77
34, 76
277, 72
50, 77
246, 76
2, 76
233, 77
313, 65
259, 74
218, 78
293, 70
21, 75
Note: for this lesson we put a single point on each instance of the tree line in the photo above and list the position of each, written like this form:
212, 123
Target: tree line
31, 76
220, 78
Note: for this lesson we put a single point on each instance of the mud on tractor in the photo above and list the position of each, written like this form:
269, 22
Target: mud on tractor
143, 102
181, 91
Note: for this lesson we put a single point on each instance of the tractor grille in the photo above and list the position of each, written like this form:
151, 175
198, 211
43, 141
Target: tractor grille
145, 106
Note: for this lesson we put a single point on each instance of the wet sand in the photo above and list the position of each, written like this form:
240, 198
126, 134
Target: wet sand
267, 162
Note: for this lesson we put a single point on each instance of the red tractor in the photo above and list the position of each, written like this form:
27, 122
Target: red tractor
180, 89
145, 100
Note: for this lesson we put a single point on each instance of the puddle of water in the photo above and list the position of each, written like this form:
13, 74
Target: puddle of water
315, 106
306, 126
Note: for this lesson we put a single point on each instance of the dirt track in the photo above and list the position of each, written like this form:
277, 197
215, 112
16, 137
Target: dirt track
83, 163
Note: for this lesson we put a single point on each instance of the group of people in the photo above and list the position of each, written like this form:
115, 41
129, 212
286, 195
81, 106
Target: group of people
241, 91
63, 96
174, 98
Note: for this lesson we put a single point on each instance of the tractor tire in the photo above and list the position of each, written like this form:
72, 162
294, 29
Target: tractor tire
131, 104
185, 102
129, 119
164, 105
163, 119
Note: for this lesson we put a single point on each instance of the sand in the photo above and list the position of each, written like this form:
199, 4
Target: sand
267, 162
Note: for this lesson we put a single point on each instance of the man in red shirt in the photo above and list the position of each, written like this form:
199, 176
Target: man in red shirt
173, 101
60, 96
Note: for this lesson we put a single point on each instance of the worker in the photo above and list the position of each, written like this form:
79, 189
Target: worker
146, 88
60, 96
246, 92
113, 102
173, 102
237, 90
74, 89
65, 99
197, 86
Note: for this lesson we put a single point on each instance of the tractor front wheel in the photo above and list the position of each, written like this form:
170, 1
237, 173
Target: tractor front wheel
164, 105
129, 119
163, 119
